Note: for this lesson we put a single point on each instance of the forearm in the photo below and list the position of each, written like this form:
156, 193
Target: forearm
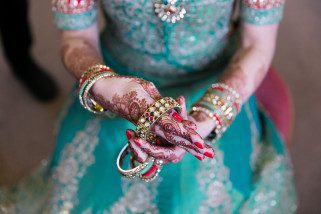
244, 74
80, 50
252, 61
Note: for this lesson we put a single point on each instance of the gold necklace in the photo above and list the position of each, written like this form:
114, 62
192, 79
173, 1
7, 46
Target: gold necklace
169, 12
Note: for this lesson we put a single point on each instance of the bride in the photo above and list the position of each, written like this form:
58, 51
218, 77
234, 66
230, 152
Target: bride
165, 95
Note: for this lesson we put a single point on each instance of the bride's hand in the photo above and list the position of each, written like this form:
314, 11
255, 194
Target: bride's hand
131, 96
205, 125
168, 153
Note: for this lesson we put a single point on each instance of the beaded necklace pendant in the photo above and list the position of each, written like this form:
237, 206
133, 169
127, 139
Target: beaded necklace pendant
168, 11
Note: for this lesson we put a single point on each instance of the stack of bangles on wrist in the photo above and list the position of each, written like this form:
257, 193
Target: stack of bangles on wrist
221, 103
87, 80
148, 170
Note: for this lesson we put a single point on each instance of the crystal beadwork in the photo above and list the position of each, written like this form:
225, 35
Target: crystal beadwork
169, 12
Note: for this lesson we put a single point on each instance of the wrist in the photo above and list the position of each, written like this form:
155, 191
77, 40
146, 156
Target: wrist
104, 88
88, 80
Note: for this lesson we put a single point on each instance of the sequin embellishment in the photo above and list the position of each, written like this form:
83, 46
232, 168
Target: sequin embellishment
138, 197
213, 177
72, 166
169, 12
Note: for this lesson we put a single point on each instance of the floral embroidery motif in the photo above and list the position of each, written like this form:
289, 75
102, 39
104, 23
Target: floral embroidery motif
136, 38
274, 191
138, 197
214, 181
72, 167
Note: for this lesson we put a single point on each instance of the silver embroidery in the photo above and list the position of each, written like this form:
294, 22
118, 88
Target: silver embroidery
256, 147
275, 192
138, 197
72, 167
213, 177
137, 38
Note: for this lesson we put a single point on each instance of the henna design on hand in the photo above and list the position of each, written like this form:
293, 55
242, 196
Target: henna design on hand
128, 106
169, 125
172, 154
194, 149
149, 87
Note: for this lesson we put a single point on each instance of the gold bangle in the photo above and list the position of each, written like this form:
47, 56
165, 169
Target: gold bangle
152, 114
133, 172
224, 106
91, 71
86, 99
159, 165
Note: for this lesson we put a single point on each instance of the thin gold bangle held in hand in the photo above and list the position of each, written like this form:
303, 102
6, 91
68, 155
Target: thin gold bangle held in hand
144, 124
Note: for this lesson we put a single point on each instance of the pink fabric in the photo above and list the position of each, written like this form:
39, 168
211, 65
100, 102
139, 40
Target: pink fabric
274, 96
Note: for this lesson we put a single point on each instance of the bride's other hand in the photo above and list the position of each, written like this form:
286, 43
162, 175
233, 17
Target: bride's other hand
141, 149
183, 132
205, 125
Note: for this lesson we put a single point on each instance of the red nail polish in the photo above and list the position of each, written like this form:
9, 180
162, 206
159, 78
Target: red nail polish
158, 142
210, 155
177, 117
199, 145
137, 142
128, 135
199, 157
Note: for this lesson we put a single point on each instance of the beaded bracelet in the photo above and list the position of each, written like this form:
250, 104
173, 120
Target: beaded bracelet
229, 92
221, 103
213, 116
221, 106
91, 71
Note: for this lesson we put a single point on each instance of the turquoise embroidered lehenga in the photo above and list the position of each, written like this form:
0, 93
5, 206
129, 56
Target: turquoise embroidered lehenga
251, 172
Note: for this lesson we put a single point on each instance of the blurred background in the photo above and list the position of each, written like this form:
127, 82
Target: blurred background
27, 126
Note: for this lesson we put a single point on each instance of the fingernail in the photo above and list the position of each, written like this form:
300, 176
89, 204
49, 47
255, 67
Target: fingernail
137, 142
199, 157
128, 134
208, 154
199, 145
177, 117
181, 98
